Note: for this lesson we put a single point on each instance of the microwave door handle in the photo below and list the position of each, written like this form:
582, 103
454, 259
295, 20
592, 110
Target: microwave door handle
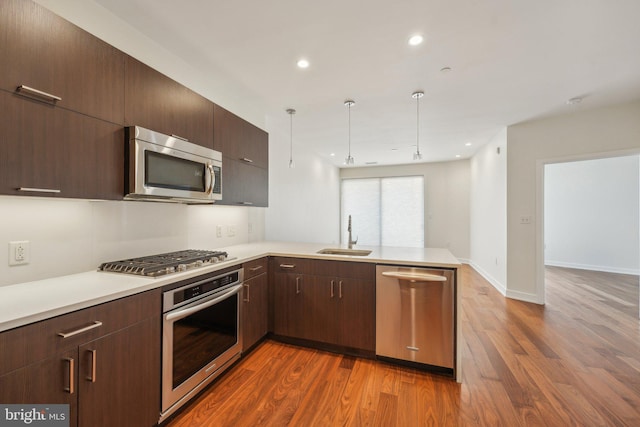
181, 314
212, 179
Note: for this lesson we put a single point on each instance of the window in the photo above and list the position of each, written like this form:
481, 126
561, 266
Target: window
384, 211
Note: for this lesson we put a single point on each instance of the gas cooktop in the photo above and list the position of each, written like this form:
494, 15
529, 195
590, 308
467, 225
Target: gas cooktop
161, 264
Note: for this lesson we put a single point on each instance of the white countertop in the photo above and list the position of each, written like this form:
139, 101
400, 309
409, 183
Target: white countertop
30, 302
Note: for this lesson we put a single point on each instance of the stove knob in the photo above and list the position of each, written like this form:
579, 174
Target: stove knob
182, 267
222, 257
199, 263
169, 270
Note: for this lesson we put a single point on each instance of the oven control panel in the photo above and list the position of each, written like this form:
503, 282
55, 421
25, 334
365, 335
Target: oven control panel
200, 288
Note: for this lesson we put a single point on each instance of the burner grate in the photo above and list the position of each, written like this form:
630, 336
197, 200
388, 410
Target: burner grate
167, 263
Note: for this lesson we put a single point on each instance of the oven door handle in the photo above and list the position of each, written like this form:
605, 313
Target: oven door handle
180, 314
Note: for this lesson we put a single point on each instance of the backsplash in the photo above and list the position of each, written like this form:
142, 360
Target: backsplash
72, 236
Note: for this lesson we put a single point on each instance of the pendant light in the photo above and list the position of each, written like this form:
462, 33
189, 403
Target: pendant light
291, 112
417, 95
349, 103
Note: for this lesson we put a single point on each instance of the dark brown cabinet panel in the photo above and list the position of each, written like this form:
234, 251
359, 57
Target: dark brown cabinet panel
119, 377
239, 140
310, 303
45, 382
104, 361
156, 102
244, 184
42, 51
255, 309
45, 147
245, 164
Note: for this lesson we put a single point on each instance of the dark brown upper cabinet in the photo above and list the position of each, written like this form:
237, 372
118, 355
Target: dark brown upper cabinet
156, 102
46, 58
245, 160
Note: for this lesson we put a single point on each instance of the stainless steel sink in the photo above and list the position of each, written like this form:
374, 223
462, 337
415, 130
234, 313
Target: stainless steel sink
341, 251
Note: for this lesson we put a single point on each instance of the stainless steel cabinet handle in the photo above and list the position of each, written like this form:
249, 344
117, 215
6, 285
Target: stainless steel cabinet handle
244, 159
297, 285
92, 375
94, 325
332, 283
256, 268
415, 277
246, 299
287, 266
340, 289
32, 91
200, 304
38, 190
70, 389
245, 203
179, 137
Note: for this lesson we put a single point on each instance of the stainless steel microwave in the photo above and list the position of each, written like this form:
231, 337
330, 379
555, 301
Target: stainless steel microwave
169, 168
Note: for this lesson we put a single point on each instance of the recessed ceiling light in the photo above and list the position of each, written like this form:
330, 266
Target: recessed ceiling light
468, 144
457, 156
303, 63
416, 40
332, 154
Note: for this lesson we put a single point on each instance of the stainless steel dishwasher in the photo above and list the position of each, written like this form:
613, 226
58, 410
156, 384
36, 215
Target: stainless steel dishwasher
415, 315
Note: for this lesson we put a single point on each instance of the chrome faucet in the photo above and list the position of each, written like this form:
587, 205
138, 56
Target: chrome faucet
351, 241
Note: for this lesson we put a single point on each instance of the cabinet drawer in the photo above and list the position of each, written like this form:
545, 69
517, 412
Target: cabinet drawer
32, 343
347, 269
255, 268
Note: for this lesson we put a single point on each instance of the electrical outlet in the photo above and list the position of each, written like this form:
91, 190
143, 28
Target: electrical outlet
19, 252
525, 220
250, 228
218, 231
231, 231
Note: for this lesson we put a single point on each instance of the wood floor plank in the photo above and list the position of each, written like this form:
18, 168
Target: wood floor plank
572, 362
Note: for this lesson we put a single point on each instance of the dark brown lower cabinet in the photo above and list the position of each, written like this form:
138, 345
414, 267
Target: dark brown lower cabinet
119, 378
255, 310
332, 310
44, 382
107, 368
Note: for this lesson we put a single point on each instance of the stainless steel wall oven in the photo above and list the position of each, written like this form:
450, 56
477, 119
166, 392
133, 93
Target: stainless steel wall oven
201, 335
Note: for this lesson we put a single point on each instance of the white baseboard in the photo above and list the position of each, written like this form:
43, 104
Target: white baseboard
602, 268
495, 283
521, 296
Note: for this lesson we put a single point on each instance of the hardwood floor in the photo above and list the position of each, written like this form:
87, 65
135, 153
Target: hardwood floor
573, 362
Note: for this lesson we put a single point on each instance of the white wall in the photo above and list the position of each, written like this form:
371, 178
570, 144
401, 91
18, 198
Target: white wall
591, 214
72, 236
304, 202
446, 200
588, 134
488, 230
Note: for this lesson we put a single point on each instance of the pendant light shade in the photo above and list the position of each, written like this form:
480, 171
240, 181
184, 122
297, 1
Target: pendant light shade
349, 103
417, 95
291, 112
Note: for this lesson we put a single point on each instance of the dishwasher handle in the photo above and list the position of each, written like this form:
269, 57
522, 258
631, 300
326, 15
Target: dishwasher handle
414, 277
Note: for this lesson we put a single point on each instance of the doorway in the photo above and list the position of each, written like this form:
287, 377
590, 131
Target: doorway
591, 232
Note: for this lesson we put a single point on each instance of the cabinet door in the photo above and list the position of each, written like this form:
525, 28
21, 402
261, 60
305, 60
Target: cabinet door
156, 102
244, 184
355, 317
49, 148
292, 296
43, 51
254, 310
119, 377
239, 140
44, 382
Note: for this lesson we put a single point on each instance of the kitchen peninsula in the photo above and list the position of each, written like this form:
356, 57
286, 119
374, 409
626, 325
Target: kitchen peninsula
129, 307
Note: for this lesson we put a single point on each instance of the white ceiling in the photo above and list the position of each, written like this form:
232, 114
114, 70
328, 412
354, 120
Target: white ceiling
511, 61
